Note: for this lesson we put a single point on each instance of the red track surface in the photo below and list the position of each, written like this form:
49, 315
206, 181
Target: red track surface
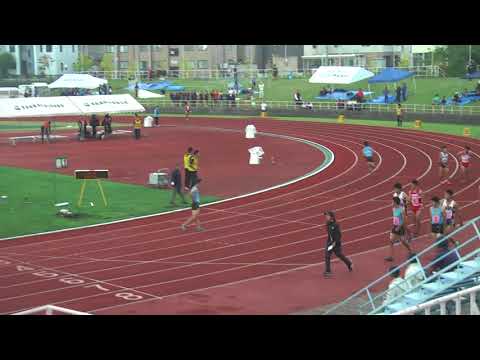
261, 254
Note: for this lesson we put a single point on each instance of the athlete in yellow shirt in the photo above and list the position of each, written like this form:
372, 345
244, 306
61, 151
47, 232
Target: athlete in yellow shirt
137, 126
399, 115
188, 169
194, 158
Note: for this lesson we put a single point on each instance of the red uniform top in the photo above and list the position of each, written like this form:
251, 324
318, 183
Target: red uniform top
415, 198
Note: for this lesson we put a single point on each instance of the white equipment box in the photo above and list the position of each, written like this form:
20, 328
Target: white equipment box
159, 178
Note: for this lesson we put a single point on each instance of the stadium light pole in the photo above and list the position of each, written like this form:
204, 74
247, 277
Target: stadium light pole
469, 53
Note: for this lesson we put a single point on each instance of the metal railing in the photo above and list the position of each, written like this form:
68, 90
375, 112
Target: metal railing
242, 73
314, 106
470, 295
371, 298
50, 310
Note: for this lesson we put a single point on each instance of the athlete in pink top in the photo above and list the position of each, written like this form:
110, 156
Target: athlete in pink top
465, 157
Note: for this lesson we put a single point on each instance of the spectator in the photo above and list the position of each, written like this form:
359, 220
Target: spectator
396, 287
399, 94
385, 94
443, 101
275, 72
45, 130
110, 91
456, 98
107, 124
156, 114
136, 90
436, 100
254, 82
404, 92
340, 104
297, 97
444, 257
81, 130
94, 123
359, 96
414, 273
261, 88
176, 183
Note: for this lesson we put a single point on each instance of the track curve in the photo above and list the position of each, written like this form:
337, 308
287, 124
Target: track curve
261, 254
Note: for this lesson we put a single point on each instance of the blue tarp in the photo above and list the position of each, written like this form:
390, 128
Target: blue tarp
163, 85
475, 75
175, 88
463, 100
381, 100
390, 75
151, 86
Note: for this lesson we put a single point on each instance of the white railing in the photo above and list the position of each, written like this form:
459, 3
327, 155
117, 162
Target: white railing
49, 310
316, 106
242, 73
468, 294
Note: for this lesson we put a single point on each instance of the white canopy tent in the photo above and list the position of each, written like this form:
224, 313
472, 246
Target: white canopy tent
98, 104
68, 105
339, 75
77, 81
37, 107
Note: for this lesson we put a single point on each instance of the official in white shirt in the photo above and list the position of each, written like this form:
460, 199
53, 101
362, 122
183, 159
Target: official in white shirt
397, 286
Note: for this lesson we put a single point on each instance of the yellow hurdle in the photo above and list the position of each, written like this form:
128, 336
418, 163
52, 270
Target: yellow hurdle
467, 132
341, 119
418, 124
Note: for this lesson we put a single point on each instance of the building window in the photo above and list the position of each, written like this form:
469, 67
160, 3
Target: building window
173, 52
73, 48
60, 47
189, 47
123, 64
11, 48
143, 47
109, 48
61, 67
202, 64
314, 46
123, 48
48, 48
157, 47
41, 48
29, 53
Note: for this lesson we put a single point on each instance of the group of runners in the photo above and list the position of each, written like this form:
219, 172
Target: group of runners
444, 213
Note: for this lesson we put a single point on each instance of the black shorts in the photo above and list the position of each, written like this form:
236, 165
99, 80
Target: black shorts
437, 228
398, 230
195, 205
450, 222
369, 159
443, 166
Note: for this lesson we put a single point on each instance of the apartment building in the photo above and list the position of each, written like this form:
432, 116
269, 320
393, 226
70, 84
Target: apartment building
164, 57
23, 56
355, 55
36, 60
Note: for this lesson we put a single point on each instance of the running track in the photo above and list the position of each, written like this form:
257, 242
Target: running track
260, 254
